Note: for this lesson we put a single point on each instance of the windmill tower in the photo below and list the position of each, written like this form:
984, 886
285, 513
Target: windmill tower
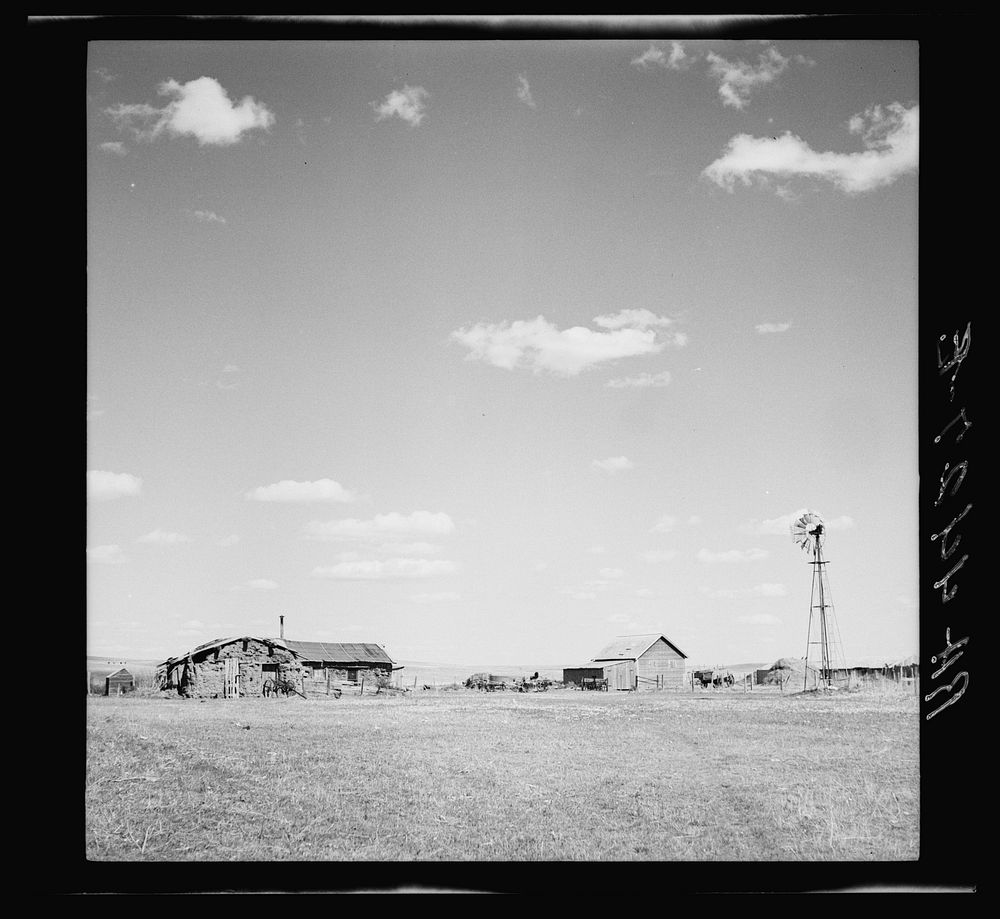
809, 533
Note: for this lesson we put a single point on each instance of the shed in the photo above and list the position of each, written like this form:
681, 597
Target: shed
340, 660
643, 662
576, 675
121, 681
230, 668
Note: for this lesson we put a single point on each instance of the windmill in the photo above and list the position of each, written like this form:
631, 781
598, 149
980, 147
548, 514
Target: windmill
809, 533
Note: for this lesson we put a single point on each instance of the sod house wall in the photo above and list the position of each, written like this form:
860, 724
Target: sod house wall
203, 676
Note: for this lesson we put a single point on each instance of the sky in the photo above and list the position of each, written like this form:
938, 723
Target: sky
492, 351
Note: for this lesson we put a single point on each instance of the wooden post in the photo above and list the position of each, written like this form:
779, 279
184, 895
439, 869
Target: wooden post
328, 681
362, 685
88, 682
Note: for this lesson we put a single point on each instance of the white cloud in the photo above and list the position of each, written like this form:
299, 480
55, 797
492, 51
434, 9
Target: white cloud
106, 555
694, 520
644, 592
890, 136
114, 146
739, 80
103, 485
632, 318
732, 555
301, 492
678, 58
392, 568
444, 596
524, 91
643, 380
230, 540
612, 464
200, 108
664, 525
209, 217
658, 555
407, 103
769, 328
383, 526
262, 584
538, 344
161, 538
611, 573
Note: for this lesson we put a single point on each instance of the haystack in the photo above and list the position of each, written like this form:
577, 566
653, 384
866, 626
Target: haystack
792, 671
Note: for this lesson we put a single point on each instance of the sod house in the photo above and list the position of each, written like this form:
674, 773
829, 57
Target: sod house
230, 668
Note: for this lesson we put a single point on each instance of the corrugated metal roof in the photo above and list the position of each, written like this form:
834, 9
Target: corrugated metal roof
340, 652
630, 647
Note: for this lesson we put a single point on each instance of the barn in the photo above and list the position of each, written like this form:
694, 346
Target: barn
341, 661
230, 667
642, 662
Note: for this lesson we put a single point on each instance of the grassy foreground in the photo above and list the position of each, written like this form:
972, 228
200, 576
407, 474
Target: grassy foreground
460, 775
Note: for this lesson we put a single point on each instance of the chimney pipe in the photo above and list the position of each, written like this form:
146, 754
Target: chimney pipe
281, 621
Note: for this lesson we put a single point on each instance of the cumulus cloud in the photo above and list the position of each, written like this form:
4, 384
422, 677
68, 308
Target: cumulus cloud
770, 328
664, 525
524, 91
199, 108
103, 485
114, 146
739, 80
392, 568
653, 56
408, 103
162, 538
410, 548
642, 381
732, 555
208, 217
890, 136
301, 492
383, 526
613, 464
540, 345
105, 555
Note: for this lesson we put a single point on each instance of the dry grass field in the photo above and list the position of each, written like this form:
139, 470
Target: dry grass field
461, 775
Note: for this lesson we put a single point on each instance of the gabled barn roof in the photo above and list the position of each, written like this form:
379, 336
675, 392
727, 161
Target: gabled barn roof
340, 652
631, 647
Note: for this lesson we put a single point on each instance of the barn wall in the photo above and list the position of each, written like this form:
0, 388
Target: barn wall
620, 674
663, 662
205, 676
